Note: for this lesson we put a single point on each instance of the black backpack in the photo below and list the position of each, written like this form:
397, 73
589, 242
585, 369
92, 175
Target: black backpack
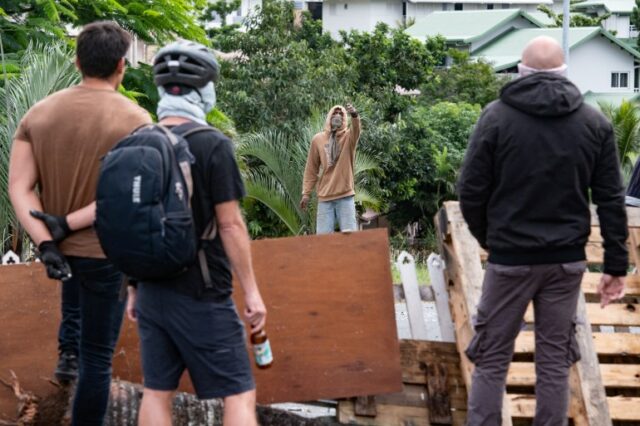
143, 205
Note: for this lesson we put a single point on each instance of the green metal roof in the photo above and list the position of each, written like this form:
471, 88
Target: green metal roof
622, 7
614, 99
505, 51
465, 26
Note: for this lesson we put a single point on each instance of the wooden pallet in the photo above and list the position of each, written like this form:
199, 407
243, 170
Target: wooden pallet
605, 384
434, 391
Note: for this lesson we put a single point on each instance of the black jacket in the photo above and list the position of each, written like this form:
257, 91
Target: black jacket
524, 186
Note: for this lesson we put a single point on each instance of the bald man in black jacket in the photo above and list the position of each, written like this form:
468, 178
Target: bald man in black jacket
535, 157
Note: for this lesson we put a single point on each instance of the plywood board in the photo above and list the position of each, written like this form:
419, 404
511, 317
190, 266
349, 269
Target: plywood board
29, 314
331, 321
331, 318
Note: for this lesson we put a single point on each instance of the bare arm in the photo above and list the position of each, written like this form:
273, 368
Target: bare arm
23, 178
82, 218
235, 240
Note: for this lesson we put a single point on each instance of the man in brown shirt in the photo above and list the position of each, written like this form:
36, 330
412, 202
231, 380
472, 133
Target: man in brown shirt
330, 165
54, 167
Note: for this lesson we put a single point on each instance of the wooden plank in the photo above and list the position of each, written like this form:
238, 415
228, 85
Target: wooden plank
592, 279
622, 344
618, 314
29, 314
613, 375
438, 393
388, 415
407, 266
621, 408
365, 406
588, 394
441, 295
417, 355
624, 408
464, 259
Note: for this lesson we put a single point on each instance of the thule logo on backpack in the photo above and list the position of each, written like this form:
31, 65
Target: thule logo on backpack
137, 182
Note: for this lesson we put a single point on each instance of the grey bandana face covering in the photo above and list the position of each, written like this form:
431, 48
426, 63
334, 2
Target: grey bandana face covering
524, 70
194, 105
336, 122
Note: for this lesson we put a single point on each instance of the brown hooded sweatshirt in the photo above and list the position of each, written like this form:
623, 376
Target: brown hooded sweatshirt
337, 181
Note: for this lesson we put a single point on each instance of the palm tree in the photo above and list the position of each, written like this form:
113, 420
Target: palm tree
626, 126
44, 69
276, 180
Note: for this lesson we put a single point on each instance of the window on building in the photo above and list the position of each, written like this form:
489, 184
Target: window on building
506, 6
445, 6
489, 6
315, 9
457, 6
619, 79
346, 6
404, 8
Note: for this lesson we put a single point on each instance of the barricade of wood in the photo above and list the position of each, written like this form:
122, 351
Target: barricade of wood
434, 391
605, 383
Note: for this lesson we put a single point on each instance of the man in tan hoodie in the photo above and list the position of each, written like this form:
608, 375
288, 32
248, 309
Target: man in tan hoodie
330, 165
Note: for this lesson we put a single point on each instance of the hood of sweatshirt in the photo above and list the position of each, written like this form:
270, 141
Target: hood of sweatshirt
327, 123
542, 94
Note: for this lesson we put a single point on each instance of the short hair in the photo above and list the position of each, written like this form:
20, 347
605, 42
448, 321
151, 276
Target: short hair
99, 48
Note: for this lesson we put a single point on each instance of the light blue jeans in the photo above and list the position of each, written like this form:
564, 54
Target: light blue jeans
344, 209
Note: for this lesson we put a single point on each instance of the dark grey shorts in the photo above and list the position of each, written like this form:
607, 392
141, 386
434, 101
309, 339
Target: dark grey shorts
207, 338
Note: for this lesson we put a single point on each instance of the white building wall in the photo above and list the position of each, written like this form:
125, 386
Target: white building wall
619, 25
362, 15
591, 65
249, 5
418, 10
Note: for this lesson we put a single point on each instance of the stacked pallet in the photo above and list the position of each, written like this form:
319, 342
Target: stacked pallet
433, 391
605, 383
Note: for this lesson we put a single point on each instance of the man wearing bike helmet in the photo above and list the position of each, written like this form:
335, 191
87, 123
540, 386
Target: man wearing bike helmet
182, 324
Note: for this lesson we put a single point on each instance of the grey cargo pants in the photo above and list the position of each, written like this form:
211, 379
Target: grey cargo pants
506, 293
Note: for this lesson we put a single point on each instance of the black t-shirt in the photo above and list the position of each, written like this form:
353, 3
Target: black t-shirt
216, 180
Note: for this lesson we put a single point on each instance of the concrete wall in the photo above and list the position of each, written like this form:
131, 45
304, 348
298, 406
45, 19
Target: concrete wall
592, 63
360, 15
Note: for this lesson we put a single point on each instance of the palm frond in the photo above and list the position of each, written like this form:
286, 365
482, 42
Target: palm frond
44, 69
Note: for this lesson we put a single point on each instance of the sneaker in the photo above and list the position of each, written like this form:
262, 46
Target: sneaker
67, 369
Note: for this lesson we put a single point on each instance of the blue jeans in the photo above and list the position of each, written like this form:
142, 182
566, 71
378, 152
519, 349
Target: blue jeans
97, 283
69, 332
343, 209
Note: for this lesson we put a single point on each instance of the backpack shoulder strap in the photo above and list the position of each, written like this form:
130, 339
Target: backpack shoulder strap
211, 230
194, 130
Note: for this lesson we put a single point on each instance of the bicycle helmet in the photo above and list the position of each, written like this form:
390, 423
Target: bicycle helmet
185, 63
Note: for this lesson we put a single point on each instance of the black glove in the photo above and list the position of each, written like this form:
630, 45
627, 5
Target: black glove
57, 266
58, 226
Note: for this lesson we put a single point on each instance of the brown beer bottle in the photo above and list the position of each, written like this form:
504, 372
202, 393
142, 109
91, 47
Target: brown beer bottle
262, 349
